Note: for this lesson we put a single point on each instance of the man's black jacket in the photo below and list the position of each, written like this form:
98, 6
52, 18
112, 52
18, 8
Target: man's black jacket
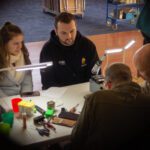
71, 64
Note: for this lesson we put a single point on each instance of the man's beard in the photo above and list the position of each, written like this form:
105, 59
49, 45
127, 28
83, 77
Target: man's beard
67, 42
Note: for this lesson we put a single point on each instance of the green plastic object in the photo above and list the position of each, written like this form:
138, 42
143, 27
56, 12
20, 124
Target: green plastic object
49, 113
4, 128
8, 117
34, 110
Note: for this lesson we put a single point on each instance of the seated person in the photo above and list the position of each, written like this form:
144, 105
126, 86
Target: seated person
13, 53
114, 119
142, 63
72, 54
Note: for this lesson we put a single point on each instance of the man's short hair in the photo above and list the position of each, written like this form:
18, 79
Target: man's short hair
118, 72
64, 17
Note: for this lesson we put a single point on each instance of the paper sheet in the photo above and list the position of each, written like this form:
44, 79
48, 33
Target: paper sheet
54, 92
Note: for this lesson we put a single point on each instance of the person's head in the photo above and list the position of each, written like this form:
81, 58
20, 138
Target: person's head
141, 61
11, 42
117, 73
11, 38
65, 28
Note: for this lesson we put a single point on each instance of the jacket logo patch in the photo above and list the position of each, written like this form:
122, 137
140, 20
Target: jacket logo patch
83, 62
62, 62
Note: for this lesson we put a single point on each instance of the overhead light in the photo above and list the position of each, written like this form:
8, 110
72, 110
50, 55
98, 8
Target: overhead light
117, 50
28, 67
34, 66
111, 51
129, 44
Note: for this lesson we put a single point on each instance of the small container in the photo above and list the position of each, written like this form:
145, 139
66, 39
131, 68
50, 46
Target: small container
8, 117
26, 106
14, 103
51, 105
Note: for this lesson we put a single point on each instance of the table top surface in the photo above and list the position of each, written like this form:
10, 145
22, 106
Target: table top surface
67, 97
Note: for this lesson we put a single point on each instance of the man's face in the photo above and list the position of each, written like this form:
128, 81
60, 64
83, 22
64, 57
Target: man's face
66, 33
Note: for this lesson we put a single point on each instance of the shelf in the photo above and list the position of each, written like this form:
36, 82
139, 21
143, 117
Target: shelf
120, 13
76, 7
124, 4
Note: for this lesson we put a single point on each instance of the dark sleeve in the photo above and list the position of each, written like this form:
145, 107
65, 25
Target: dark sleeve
80, 131
47, 74
148, 3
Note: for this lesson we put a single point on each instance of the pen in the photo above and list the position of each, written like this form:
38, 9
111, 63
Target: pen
59, 105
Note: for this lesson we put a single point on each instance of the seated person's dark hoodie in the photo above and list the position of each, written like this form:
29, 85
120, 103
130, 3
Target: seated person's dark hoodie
71, 64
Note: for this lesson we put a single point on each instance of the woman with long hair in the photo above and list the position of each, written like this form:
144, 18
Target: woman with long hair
13, 53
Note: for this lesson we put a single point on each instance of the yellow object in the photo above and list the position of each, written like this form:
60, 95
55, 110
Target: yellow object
138, 80
83, 61
26, 106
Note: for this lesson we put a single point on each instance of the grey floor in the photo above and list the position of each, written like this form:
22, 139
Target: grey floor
36, 25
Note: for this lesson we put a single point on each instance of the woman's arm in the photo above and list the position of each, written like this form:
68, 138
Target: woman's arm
27, 83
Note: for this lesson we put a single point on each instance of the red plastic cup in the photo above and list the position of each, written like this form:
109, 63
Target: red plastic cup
14, 103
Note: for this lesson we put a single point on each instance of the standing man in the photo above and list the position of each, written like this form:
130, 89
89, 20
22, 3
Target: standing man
72, 54
142, 63
143, 22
